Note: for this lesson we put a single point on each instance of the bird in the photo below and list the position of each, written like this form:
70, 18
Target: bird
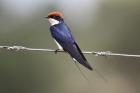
62, 35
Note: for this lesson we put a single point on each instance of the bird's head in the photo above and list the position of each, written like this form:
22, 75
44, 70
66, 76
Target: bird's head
54, 17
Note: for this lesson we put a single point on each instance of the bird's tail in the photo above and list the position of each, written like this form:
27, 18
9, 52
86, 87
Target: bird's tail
78, 56
84, 63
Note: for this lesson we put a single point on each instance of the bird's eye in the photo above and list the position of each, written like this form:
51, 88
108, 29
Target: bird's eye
50, 16
55, 17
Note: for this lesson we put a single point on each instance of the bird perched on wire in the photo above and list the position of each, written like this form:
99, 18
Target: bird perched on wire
64, 39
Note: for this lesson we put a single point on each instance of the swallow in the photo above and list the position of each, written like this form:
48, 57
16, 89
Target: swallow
63, 37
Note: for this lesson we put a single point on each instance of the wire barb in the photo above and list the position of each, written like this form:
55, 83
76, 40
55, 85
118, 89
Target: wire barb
98, 53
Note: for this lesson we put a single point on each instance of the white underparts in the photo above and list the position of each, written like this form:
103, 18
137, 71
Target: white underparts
53, 21
74, 60
59, 46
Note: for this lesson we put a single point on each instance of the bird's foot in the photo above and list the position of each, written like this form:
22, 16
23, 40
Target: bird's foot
56, 51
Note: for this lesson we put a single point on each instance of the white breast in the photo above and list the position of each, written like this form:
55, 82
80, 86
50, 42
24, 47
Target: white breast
59, 46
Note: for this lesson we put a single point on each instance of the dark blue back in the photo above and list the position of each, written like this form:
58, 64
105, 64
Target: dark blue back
61, 33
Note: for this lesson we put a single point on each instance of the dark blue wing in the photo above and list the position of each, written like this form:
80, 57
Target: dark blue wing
62, 35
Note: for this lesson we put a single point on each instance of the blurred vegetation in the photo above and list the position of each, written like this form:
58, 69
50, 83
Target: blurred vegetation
111, 25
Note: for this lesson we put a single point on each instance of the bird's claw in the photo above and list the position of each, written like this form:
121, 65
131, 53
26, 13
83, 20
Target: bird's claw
56, 51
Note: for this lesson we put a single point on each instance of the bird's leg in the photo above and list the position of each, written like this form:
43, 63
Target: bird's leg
56, 51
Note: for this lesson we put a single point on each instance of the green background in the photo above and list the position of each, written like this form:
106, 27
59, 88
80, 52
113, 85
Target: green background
97, 25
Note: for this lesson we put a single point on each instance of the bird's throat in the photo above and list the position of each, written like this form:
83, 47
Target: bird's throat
53, 21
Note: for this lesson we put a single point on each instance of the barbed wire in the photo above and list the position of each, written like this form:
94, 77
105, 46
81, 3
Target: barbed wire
98, 53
